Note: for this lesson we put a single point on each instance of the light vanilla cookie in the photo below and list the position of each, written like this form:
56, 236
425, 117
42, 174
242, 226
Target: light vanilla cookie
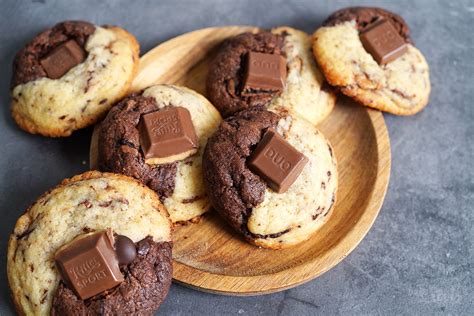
68, 76
304, 93
121, 149
243, 196
87, 203
401, 86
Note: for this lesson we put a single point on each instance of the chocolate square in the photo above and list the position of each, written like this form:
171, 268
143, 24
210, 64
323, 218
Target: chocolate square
382, 41
277, 162
167, 135
89, 264
62, 59
264, 73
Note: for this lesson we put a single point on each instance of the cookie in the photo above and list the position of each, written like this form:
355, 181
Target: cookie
264, 217
401, 86
98, 65
179, 184
305, 92
90, 202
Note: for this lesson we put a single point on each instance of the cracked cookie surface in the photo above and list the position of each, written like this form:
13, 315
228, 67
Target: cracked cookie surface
266, 218
400, 87
57, 107
178, 184
88, 202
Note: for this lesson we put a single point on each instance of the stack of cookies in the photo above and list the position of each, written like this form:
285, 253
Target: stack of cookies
101, 242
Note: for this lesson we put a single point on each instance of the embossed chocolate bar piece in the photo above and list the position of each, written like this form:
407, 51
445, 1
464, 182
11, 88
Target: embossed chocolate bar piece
382, 41
277, 162
62, 59
264, 73
89, 265
167, 135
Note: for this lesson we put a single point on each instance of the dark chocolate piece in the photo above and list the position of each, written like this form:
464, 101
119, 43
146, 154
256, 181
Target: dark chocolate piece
383, 42
62, 59
264, 73
125, 249
277, 162
167, 133
89, 264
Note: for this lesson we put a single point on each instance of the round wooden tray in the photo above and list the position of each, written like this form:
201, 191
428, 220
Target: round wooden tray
208, 255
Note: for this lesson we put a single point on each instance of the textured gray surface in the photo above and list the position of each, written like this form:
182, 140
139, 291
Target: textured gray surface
417, 259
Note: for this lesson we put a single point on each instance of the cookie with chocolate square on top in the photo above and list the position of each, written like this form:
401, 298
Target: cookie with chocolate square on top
368, 55
271, 175
68, 76
158, 137
272, 68
98, 243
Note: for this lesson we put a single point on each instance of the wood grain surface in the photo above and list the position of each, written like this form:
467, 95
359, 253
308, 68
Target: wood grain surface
209, 255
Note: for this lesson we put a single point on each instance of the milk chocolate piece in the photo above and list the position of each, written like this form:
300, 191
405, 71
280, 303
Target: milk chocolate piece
89, 265
63, 58
167, 135
277, 162
383, 42
264, 73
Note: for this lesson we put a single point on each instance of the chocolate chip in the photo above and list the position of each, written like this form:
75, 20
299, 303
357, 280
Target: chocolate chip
125, 249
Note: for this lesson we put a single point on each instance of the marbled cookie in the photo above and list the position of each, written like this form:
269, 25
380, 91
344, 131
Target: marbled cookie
305, 92
267, 218
68, 76
401, 86
86, 203
179, 184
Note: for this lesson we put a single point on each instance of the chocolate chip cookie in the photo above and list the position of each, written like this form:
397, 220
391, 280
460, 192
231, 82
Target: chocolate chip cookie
249, 200
367, 53
304, 93
68, 76
78, 209
124, 143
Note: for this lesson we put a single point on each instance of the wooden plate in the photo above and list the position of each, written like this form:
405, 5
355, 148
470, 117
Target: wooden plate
209, 256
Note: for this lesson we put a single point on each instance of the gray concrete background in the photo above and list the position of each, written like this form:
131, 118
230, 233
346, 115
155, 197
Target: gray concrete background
418, 258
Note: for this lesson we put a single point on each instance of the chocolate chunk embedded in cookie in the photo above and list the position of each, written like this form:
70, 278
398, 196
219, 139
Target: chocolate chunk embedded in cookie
245, 199
383, 70
177, 179
68, 76
81, 206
